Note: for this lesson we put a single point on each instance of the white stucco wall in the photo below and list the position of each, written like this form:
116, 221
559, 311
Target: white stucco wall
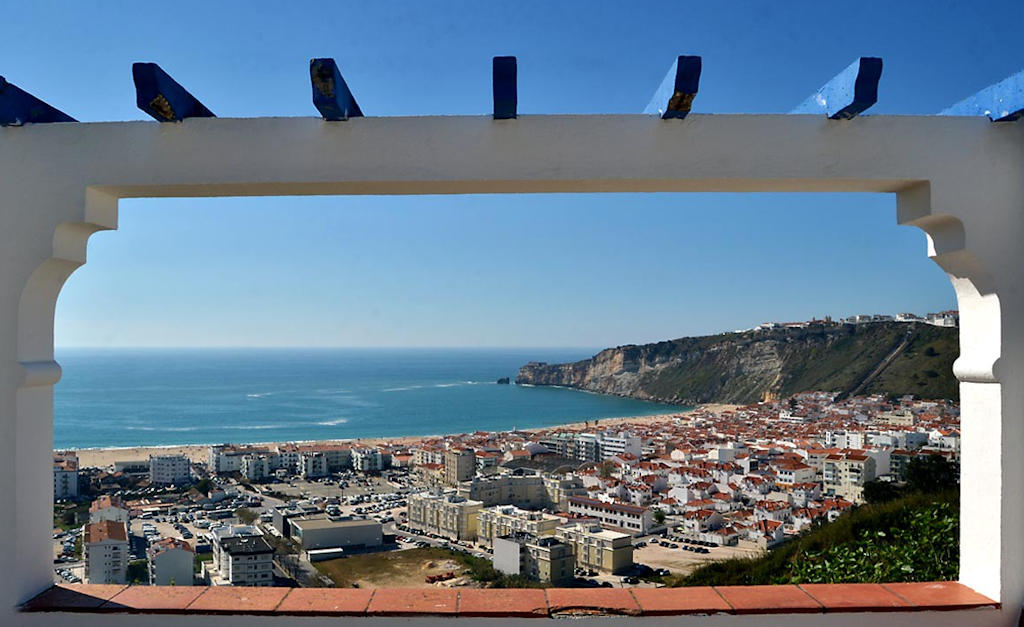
959, 179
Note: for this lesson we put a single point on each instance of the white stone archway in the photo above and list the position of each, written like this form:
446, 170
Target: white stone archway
958, 179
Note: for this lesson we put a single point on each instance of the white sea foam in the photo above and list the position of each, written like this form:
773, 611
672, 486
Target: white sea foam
333, 423
259, 394
403, 389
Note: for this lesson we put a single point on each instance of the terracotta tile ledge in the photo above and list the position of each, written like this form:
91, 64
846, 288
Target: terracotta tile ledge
521, 603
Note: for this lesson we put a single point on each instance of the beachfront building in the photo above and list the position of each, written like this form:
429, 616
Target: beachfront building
65, 476
459, 465
170, 470
597, 548
505, 520
312, 464
227, 458
614, 444
547, 559
109, 507
171, 563
105, 547
633, 519
445, 514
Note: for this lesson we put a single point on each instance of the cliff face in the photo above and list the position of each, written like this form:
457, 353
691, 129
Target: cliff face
889, 358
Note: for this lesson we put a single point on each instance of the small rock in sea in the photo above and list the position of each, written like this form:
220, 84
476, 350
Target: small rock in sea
503, 381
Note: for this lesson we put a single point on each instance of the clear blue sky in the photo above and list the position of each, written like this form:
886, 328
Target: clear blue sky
495, 270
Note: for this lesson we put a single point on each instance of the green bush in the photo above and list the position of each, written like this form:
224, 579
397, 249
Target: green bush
913, 538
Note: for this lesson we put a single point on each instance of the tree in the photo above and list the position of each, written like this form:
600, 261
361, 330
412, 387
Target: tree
606, 469
246, 516
659, 516
204, 486
930, 351
929, 474
876, 492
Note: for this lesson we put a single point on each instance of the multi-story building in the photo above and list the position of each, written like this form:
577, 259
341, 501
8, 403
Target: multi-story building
546, 559
227, 458
505, 520
525, 490
368, 460
169, 470
445, 514
105, 548
634, 519
459, 465
171, 563
312, 464
559, 488
241, 557
598, 548
613, 444
845, 473
65, 476
108, 507
428, 455
257, 467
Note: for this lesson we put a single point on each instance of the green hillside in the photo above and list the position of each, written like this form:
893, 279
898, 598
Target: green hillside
885, 357
914, 538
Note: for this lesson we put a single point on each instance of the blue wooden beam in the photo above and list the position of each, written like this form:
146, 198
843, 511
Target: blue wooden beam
1001, 102
849, 94
675, 95
331, 95
506, 95
162, 97
18, 107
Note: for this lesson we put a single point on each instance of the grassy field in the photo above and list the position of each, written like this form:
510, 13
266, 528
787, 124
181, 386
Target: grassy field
406, 569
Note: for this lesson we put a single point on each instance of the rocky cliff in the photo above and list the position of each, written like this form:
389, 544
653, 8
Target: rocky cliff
885, 357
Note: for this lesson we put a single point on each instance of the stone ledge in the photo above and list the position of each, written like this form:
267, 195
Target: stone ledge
520, 603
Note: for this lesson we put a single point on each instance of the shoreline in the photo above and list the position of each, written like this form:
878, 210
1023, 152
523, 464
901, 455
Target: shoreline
103, 457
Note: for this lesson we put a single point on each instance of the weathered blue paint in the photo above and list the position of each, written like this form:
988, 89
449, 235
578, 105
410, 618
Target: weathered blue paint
849, 94
18, 107
675, 95
1001, 102
331, 95
162, 97
506, 94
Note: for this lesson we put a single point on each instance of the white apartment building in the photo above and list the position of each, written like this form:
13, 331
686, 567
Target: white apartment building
241, 557
526, 491
169, 469
367, 460
65, 477
105, 548
633, 519
171, 563
312, 465
108, 508
613, 444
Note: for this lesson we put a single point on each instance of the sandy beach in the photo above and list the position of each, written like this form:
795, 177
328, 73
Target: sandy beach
105, 457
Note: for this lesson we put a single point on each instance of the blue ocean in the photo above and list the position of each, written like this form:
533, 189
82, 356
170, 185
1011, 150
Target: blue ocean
138, 397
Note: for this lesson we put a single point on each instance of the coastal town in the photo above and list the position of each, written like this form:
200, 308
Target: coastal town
615, 502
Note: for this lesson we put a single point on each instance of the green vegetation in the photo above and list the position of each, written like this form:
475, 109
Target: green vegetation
482, 570
67, 517
204, 486
246, 516
197, 561
915, 537
138, 571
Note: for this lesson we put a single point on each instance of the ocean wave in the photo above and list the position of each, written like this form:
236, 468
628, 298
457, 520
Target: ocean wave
259, 394
403, 389
332, 423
